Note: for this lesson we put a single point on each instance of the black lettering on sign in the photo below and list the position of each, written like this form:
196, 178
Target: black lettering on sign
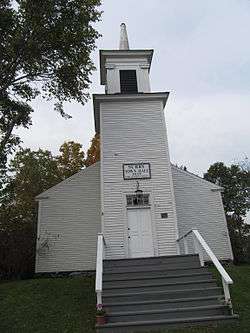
136, 171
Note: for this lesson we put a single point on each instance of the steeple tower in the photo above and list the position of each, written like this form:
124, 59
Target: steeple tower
125, 71
137, 199
124, 45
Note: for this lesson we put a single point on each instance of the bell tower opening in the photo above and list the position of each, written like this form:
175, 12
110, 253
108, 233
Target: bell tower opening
125, 71
128, 82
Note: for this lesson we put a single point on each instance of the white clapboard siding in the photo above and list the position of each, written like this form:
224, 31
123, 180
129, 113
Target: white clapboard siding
199, 205
134, 132
69, 221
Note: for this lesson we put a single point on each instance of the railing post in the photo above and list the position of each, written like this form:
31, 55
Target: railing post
226, 292
185, 245
178, 248
198, 249
99, 269
98, 297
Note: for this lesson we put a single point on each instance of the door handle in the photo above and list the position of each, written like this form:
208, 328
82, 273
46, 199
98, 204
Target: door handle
128, 237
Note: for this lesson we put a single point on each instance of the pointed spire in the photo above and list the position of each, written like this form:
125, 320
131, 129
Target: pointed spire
123, 38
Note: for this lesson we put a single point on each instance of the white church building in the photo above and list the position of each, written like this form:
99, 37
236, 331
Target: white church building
138, 201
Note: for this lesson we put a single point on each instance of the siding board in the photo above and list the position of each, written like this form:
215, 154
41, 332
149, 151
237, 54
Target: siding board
133, 132
70, 220
71, 217
201, 208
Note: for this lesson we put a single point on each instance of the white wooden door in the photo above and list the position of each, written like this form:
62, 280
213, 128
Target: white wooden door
140, 233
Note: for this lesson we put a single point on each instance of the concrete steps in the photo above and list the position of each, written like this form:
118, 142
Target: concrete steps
152, 295
189, 258
156, 325
160, 275
167, 272
148, 294
162, 304
152, 264
162, 314
157, 286
156, 280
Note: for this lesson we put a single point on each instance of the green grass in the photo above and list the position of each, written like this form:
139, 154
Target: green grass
48, 305
68, 305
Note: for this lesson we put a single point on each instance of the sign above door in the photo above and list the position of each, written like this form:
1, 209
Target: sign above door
136, 171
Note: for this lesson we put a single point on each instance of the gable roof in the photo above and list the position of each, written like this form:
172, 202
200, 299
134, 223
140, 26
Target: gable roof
46, 193
192, 175
84, 172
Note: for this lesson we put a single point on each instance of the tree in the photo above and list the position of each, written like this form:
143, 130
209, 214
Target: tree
31, 173
245, 167
71, 159
235, 196
93, 154
240, 238
12, 113
234, 181
45, 49
245, 164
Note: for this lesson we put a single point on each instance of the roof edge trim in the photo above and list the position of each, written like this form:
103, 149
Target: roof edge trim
188, 173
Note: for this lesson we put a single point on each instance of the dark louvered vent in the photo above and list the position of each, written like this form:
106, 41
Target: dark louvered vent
128, 82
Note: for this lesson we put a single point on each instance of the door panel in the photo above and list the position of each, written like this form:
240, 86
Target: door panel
140, 233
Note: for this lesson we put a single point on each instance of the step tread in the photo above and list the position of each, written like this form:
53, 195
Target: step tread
154, 257
157, 277
159, 292
173, 300
153, 264
187, 308
169, 321
105, 271
162, 284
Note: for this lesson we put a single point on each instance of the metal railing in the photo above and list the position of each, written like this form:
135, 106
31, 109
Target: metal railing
99, 268
200, 245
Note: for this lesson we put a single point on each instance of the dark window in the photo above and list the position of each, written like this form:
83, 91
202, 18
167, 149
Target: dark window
128, 82
137, 200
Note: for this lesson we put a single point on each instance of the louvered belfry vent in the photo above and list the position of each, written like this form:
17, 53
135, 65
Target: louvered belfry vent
128, 82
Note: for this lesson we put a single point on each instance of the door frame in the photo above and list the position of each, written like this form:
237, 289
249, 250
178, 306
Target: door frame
153, 224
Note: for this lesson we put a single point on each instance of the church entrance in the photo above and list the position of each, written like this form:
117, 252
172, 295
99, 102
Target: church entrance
140, 242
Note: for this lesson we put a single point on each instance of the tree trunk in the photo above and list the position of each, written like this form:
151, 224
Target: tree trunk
4, 141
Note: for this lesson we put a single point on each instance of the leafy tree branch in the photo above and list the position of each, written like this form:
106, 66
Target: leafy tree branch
49, 42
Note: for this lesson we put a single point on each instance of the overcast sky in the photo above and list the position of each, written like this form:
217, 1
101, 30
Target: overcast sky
202, 57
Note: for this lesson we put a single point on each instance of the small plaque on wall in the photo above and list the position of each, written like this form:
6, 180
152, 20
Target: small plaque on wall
136, 171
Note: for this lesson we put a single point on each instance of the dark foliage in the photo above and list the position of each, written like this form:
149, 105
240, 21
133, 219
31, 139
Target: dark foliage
235, 181
17, 256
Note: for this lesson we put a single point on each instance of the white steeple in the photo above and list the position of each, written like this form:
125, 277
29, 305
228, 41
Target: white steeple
124, 45
125, 70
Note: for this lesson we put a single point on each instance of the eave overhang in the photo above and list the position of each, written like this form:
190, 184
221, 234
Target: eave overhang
98, 98
104, 54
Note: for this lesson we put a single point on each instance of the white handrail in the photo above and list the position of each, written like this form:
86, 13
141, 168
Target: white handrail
212, 256
200, 245
99, 269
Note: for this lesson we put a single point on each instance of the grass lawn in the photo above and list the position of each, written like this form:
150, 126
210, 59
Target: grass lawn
68, 305
48, 305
